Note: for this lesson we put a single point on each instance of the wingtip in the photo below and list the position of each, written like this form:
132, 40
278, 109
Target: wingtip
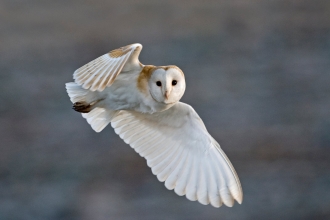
240, 200
238, 196
137, 45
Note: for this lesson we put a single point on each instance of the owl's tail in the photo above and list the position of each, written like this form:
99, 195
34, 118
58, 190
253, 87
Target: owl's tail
88, 103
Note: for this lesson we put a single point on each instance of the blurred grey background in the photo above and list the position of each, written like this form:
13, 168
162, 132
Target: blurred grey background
257, 72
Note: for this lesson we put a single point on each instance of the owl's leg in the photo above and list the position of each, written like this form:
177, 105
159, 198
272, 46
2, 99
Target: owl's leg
85, 107
83, 100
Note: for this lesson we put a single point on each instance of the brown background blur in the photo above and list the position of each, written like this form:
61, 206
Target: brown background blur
257, 72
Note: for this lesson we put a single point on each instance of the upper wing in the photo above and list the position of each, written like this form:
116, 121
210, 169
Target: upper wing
182, 153
101, 72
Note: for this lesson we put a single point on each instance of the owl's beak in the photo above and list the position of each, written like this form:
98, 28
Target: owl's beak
167, 94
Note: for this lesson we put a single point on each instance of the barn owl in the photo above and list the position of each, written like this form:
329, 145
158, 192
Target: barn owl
141, 102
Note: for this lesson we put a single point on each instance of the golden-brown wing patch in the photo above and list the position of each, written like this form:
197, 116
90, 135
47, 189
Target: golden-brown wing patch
120, 51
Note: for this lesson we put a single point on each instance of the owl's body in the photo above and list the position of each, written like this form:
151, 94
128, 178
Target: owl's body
142, 104
126, 94
122, 95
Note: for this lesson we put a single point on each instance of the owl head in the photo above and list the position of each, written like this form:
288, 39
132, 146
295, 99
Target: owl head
166, 84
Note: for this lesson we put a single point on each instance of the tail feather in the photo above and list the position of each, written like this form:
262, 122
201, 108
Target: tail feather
99, 118
77, 93
83, 100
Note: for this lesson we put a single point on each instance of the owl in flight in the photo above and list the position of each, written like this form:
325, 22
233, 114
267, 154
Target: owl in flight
141, 102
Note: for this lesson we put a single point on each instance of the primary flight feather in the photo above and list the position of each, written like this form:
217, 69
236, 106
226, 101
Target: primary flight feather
142, 104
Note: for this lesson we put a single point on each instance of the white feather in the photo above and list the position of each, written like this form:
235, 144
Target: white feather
160, 156
90, 65
171, 179
172, 164
83, 71
103, 74
181, 182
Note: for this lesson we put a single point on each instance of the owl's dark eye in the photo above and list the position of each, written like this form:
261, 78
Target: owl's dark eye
158, 83
174, 82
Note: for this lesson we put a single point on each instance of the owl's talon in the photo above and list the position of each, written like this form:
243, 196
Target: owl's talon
82, 107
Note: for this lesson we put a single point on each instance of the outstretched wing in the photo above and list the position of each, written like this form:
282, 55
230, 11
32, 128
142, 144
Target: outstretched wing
101, 72
182, 153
